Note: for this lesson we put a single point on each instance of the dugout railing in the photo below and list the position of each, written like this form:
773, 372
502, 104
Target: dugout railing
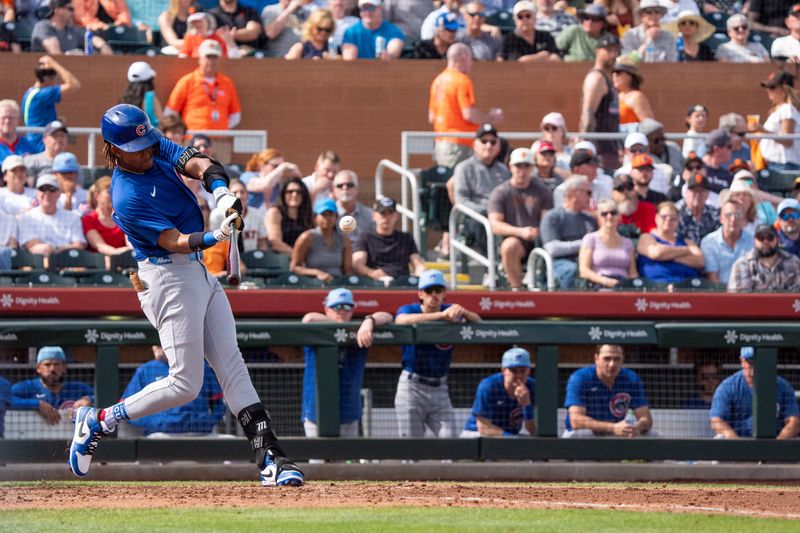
545, 336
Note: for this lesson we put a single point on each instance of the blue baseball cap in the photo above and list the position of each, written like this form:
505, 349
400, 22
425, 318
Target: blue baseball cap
516, 357
338, 297
324, 204
66, 162
50, 352
448, 21
788, 203
431, 278
747, 353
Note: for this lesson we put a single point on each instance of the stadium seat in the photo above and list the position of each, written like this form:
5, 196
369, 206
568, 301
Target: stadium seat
405, 282
777, 181
434, 203
293, 280
125, 39
719, 21
503, 20
124, 263
761, 37
700, 284
22, 31
43, 278
111, 279
354, 280
22, 259
715, 40
76, 262
265, 263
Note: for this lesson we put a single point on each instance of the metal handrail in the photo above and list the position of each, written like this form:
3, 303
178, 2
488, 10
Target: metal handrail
409, 179
456, 246
548, 264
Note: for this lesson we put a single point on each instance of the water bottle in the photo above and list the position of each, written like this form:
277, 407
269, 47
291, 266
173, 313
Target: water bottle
630, 418
650, 52
88, 44
681, 51
331, 48
380, 46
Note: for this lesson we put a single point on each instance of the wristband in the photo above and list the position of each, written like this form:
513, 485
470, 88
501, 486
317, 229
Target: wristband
220, 188
214, 173
201, 240
371, 318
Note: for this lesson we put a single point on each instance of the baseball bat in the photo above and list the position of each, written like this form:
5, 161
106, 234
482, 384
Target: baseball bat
234, 276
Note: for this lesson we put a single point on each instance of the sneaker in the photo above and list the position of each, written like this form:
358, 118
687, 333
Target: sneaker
280, 470
88, 433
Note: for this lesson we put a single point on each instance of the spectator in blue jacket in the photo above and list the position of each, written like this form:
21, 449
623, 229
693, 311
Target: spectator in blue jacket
732, 404
599, 398
51, 393
5, 403
504, 401
200, 416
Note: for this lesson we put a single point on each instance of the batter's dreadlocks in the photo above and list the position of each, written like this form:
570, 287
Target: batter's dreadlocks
108, 155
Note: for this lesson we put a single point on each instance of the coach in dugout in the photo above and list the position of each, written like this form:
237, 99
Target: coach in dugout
732, 404
599, 398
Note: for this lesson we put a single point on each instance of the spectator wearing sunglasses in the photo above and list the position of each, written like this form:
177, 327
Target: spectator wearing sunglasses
48, 229
423, 399
317, 29
787, 48
648, 42
606, 257
789, 225
339, 305
651, 178
662, 150
737, 127
525, 44
722, 247
695, 30
551, 20
739, 49
282, 23
578, 42
767, 267
698, 219
639, 214
484, 45
345, 192
322, 252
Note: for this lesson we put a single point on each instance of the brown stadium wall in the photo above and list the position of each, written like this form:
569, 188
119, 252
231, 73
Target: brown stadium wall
359, 109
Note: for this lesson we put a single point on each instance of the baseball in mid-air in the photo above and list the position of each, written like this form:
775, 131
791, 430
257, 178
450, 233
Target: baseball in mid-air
347, 224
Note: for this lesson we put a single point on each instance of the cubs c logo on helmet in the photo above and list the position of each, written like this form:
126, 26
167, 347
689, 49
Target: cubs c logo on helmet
141, 129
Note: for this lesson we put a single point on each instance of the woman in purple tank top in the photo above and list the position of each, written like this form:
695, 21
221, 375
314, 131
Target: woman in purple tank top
606, 257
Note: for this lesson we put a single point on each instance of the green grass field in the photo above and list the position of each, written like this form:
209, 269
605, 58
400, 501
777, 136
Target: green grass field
378, 519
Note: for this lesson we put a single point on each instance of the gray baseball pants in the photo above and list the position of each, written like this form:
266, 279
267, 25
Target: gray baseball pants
418, 406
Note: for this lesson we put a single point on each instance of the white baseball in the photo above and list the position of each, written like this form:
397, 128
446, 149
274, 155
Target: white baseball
347, 224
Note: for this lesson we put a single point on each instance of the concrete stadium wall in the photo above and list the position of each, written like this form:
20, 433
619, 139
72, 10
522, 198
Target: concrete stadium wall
359, 109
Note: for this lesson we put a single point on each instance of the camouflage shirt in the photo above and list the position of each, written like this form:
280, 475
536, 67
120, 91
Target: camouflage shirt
749, 274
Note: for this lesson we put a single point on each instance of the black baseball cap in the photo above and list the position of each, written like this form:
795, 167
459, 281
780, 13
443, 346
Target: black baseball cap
763, 230
692, 157
582, 157
622, 179
697, 181
608, 39
486, 129
384, 204
778, 78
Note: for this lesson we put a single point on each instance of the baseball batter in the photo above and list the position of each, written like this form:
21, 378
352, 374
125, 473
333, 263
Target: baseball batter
422, 398
188, 307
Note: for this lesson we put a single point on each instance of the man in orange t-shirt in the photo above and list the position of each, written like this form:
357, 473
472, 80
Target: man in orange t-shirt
451, 107
204, 98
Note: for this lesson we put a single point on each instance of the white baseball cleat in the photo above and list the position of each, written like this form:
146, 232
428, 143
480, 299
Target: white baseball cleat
280, 470
88, 433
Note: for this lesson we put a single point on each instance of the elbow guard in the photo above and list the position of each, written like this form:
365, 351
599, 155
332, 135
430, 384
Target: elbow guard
213, 173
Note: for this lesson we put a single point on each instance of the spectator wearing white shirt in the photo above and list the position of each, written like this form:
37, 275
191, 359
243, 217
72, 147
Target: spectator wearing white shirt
48, 229
8, 239
15, 197
428, 28
787, 48
738, 49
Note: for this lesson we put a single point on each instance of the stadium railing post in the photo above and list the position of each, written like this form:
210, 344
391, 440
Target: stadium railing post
765, 393
106, 376
327, 370
547, 391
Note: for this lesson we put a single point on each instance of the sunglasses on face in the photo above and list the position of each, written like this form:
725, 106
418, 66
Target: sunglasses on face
740, 28
694, 167
549, 127
651, 11
342, 307
325, 29
490, 142
611, 213
293, 191
637, 150
790, 215
434, 290
524, 16
478, 14
768, 237
48, 188
625, 187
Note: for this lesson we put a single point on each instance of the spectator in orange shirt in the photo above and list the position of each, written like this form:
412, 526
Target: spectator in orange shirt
202, 26
451, 107
204, 105
87, 13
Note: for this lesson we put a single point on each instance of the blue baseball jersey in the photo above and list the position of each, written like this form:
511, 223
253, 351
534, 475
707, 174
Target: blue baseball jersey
5, 403
157, 200
39, 109
733, 403
493, 403
26, 394
351, 376
22, 146
585, 389
430, 360
200, 415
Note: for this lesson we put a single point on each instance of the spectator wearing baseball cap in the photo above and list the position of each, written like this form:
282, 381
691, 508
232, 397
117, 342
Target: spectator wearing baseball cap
544, 159
53, 82
432, 21
16, 196
739, 49
339, 307
787, 48
732, 404
447, 25
642, 167
718, 153
484, 45
784, 117
662, 150
647, 42
723, 246
789, 225
516, 208
322, 252
579, 41
48, 228
697, 218
385, 253
504, 402
372, 37
554, 130
696, 121
423, 399
200, 29
140, 91
767, 267
55, 137
636, 213
50, 393
68, 172
584, 162
525, 44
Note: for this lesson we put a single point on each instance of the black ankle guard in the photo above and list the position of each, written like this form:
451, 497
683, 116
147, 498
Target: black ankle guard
257, 425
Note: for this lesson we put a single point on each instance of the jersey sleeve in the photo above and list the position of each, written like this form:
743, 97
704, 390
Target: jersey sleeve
787, 400
408, 309
395, 33
51, 95
482, 406
638, 396
574, 391
148, 222
23, 396
5, 392
170, 151
720, 402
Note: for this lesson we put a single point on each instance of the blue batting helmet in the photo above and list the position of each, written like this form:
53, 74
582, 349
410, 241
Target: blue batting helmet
128, 128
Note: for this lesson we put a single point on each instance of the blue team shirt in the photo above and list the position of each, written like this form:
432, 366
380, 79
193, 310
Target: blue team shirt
200, 415
364, 38
23, 146
26, 394
351, 375
430, 360
147, 204
39, 109
585, 389
493, 403
733, 403
5, 403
